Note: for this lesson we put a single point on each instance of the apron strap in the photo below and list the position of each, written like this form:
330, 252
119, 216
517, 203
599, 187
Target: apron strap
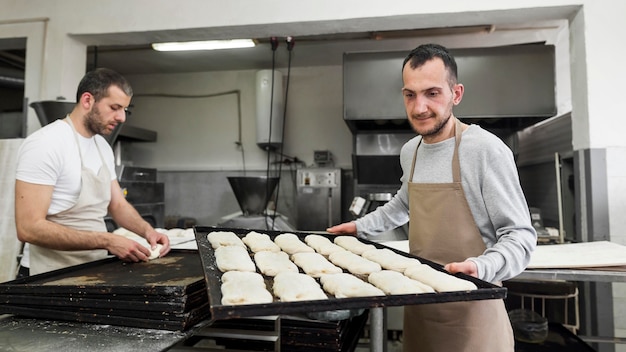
456, 165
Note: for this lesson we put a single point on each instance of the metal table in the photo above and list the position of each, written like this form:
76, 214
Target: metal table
617, 274
25, 334
604, 274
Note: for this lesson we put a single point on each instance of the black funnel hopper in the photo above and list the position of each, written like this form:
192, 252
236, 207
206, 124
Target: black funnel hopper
253, 192
49, 111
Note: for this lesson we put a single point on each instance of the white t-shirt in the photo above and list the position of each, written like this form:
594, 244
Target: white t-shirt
49, 156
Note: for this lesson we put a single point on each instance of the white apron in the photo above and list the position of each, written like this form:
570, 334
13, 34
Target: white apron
86, 215
442, 229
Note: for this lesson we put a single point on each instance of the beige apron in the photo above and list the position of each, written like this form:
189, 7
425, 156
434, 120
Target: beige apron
443, 230
86, 215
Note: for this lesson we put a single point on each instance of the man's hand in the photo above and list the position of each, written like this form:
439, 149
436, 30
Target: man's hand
347, 228
153, 237
126, 249
467, 267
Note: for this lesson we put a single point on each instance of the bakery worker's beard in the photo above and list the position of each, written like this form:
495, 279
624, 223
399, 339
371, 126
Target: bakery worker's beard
435, 129
93, 122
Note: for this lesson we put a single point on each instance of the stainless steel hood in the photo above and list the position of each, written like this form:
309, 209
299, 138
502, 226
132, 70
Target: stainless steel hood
49, 111
510, 87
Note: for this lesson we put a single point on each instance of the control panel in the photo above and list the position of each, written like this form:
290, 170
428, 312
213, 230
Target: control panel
319, 178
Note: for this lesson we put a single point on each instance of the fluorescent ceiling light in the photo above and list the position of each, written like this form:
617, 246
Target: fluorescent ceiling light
204, 45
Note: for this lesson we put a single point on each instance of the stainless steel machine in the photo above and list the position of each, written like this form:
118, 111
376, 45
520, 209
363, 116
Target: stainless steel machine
253, 193
318, 198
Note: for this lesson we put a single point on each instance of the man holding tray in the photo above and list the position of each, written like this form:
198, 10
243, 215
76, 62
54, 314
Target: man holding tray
461, 193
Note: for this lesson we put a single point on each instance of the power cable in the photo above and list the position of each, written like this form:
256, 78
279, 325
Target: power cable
290, 43
274, 44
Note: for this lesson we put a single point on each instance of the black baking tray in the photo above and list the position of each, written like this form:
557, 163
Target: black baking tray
178, 322
165, 293
177, 274
140, 305
212, 276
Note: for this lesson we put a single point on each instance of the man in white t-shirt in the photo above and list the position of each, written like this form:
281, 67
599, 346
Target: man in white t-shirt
66, 184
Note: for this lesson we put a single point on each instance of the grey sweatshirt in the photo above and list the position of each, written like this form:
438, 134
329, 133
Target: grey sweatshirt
491, 185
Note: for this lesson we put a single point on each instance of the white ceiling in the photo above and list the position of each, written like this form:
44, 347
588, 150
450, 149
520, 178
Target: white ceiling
319, 50
318, 43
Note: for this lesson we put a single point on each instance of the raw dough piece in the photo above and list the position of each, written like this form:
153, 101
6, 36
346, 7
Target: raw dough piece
389, 259
156, 252
272, 263
353, 244
354, 263
322, 245
394, 283
224, 238
244, 288
290, 286
344, 285
438, 280
258, 242
314, 264
230, 258
291, 244
234, 276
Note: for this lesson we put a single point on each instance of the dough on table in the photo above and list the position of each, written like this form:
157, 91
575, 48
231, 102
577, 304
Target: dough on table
290, 286
224, 238
291, 244
353, 244
322, 244
354, 263
389, 259
314, 264
272, 263
244, 288
440, 281
259, 242
344, 285
229, 258
395, 283
156, 252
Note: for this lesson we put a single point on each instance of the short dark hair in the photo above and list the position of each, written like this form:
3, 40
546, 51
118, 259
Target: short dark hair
98, 81
426, 52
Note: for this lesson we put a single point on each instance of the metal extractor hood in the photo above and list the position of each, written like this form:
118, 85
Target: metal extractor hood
49, 111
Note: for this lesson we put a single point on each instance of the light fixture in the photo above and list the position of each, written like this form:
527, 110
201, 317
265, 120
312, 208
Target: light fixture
204, 45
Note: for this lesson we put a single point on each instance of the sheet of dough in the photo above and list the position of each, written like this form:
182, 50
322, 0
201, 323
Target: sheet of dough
272, 263
244, 288
290, 286
322, 245
233, 258
395, 283
578, 255
314, 264
343, 285
291, 244
354, 263
224, 238
353, 244
389, 259
259, 242
438, 280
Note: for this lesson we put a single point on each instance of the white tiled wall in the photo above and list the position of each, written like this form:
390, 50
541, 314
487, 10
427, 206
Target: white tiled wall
10, 245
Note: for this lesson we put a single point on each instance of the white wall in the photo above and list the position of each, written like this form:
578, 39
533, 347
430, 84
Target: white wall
200, 133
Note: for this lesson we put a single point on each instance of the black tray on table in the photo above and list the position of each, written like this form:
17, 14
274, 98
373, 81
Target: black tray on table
219, 311
165, 293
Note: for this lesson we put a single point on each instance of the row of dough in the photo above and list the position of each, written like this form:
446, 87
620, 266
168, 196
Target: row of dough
346, 252
407, 275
